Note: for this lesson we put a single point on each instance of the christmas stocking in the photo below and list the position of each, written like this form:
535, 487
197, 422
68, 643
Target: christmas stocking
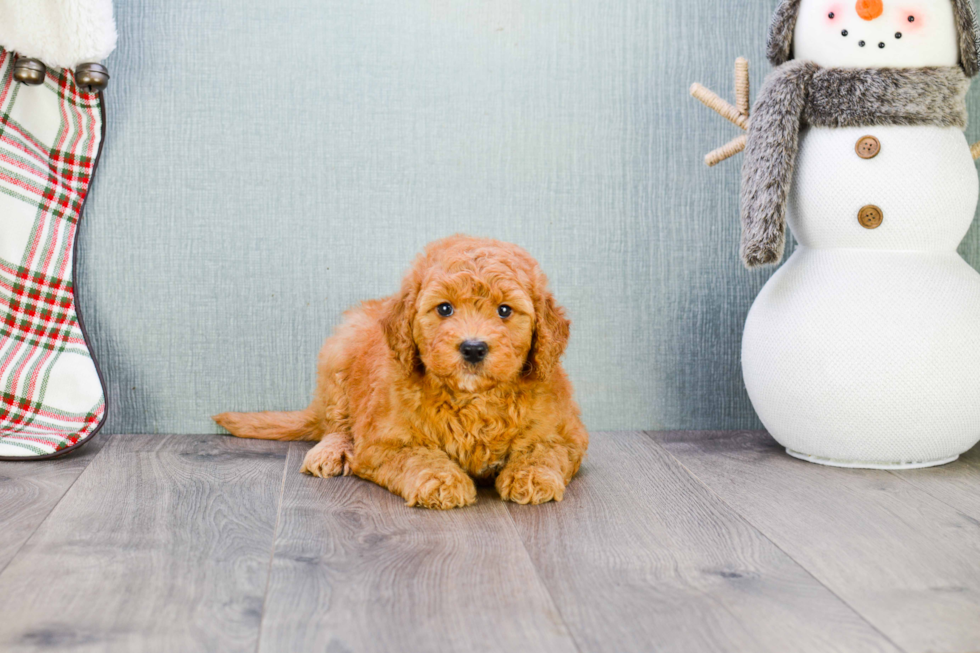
52, 398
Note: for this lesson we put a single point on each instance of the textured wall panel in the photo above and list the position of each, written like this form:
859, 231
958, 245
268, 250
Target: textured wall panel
270, 164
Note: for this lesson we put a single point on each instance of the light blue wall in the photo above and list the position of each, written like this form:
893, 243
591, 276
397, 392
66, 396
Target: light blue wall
269, 164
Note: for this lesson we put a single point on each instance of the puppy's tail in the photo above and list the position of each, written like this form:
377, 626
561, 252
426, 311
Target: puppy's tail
269, 425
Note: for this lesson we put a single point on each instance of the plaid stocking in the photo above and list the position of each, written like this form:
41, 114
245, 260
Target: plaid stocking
51, 393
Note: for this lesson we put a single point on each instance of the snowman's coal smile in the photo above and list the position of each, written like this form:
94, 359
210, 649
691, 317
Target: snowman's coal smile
861, 43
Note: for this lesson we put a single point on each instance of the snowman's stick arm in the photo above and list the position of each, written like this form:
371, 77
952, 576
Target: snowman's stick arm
742, 85
737, 115
711, 100
975, 150
726, 151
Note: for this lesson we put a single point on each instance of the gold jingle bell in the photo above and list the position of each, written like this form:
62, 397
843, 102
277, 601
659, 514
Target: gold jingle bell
91, 77
29, 71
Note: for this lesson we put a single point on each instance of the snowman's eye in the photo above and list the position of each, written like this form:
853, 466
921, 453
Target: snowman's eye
830, 15
917, 20
843, 32
898, 35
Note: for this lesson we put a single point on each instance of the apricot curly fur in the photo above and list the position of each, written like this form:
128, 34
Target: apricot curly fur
398, 405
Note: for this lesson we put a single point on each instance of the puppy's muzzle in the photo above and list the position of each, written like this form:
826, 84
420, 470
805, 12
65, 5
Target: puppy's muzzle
473, 351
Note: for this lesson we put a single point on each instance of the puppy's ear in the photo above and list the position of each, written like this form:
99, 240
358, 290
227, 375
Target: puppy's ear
397, 320
550, 338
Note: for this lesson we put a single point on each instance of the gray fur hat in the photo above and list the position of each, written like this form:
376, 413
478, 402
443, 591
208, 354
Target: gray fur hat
779, 47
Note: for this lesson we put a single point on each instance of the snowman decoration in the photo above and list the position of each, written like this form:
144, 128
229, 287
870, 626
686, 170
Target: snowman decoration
863, 349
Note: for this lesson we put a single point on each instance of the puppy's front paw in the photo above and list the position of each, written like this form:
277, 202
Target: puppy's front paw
532, 484
331, 457
441, 489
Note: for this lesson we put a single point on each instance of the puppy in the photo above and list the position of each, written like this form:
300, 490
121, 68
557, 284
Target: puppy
454, 378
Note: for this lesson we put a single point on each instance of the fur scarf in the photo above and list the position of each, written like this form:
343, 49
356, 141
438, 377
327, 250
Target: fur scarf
800, 93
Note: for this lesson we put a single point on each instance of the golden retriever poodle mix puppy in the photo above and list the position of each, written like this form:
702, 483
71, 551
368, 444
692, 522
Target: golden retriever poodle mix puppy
454, 378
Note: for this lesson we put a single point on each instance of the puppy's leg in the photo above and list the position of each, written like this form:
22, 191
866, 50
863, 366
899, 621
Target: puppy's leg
331, 457
538, 473
422, 476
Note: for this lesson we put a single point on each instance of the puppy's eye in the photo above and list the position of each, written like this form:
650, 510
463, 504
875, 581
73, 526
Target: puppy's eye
444, 309
504, 311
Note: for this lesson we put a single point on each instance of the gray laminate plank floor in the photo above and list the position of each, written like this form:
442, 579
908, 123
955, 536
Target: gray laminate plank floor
30, 490
905, 560
640, 556
956, 484
163, 544
665, 542
356, 570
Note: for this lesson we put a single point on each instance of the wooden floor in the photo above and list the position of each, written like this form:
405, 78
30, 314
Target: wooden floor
683, 541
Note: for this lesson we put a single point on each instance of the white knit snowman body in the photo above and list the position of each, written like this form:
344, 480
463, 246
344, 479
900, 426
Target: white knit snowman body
863, 349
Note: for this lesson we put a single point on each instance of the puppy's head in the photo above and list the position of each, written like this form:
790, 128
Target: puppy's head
475, 313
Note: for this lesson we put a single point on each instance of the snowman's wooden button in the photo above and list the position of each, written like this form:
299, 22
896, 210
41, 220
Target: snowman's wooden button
870, 216
867, 147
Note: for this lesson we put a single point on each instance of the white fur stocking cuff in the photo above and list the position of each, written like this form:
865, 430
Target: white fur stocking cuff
61, 33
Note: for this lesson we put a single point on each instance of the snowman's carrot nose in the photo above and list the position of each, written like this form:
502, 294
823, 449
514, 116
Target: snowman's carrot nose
869, 9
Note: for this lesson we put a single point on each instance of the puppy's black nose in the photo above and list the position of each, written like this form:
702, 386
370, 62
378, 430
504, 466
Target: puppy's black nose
473, 351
